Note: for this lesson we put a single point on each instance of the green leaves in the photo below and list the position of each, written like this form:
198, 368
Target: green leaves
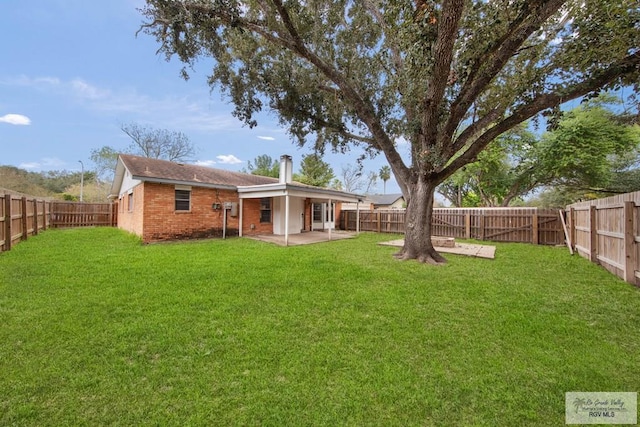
314, 171
588, 148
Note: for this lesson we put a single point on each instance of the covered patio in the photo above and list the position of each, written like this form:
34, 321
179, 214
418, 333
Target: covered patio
295, 207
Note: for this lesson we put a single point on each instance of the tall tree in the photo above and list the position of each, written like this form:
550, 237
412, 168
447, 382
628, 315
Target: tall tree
447, 77
507, 169
354, 181
385, 175
159, 143
264, 165
105, 160
314, 171
590, 149
351, 175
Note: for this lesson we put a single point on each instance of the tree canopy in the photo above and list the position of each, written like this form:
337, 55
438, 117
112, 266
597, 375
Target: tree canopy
385, 175
445, 77
264, 165
158, 143
589, 149
314, 171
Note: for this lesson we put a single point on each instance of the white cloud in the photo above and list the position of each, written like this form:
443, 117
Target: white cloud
205, 163
88, 91
47, 163
229, 159
16, 119
31, 165
182, 112
29, 81
267, 138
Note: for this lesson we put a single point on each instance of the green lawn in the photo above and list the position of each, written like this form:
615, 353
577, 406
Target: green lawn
97, 329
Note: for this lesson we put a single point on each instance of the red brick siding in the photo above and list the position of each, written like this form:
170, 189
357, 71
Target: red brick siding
251, 216
308, 215
163, 222
130, 217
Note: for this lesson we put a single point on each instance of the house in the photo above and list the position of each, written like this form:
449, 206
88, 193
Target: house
372, 202
161, 200
387, 201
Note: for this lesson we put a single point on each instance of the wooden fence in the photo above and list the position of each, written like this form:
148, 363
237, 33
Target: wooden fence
25, 216
607, 232
527, 225
71, 214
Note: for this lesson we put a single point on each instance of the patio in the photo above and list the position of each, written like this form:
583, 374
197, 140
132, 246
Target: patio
305, 238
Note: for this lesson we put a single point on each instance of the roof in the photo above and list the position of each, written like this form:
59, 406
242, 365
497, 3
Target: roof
148, 169
384, 199
299, 190
166, 172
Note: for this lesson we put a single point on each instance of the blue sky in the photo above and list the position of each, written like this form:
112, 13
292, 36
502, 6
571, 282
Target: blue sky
72, 72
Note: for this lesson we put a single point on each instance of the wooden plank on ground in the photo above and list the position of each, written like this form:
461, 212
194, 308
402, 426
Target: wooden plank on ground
566, 232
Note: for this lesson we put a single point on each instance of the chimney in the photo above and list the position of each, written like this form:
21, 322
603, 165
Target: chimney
286, 169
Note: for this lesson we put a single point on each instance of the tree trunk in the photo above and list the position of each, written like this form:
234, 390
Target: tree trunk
417, 237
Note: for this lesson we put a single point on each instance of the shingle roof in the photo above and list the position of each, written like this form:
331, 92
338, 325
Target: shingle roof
154, 169
384, 199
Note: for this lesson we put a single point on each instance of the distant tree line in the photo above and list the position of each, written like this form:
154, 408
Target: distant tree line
96, 182
56, 183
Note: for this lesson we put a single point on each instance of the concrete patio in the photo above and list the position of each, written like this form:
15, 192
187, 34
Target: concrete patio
479, 251
305, 238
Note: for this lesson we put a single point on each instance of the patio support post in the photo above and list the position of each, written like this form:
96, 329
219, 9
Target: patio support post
331, 216
286, 219
240, 217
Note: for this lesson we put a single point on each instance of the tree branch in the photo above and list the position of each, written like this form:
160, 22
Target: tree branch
364, 109
443, 56
487, 66
627, 65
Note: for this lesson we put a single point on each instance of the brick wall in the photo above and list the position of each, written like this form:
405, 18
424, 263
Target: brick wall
163, 222
308, 215
251, 224
160, 221
130, 212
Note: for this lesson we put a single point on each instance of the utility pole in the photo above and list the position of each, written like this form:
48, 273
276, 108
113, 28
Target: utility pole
81, 180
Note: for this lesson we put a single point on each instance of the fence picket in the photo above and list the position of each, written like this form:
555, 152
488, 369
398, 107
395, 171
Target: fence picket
20, 217
605, 231
528, 225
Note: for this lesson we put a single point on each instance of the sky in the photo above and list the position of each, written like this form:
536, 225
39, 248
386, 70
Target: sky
73, 72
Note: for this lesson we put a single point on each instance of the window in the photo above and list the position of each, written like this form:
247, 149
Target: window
130, 202
183, 200
330, 211
317, 212
265, 209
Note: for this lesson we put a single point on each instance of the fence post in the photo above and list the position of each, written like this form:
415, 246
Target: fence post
378, 220
629, 243
572, 228
467, 225
24, 220
44, 214
593, 231
482, 231
534, 227
35, 216
7, 221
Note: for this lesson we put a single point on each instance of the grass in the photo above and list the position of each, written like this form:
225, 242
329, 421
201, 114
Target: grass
97, 329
